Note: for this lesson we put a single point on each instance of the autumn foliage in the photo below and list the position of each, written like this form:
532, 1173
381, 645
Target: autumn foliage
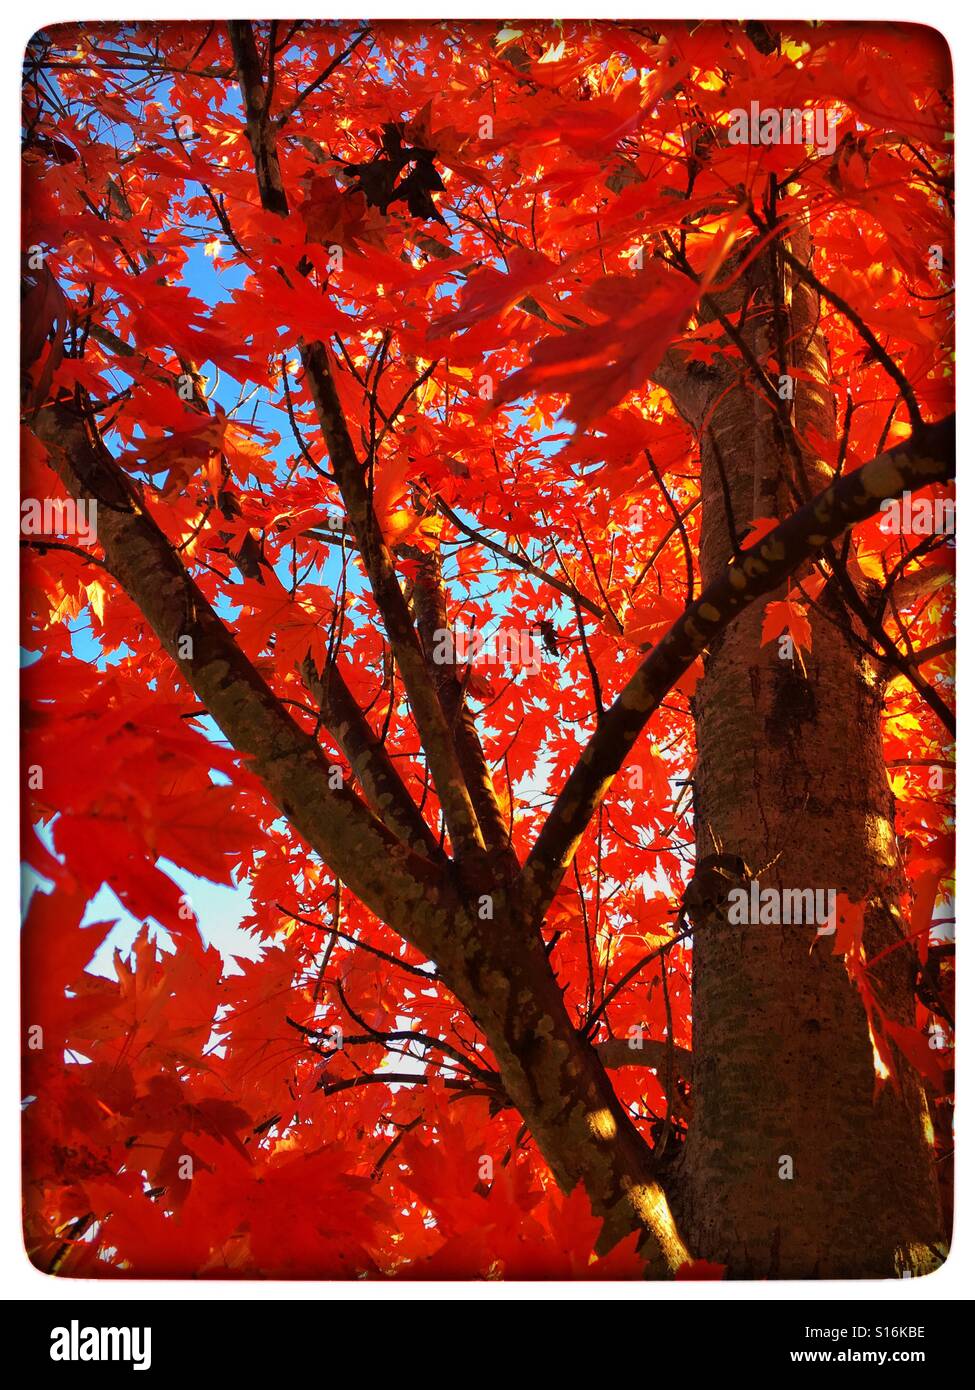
503, 243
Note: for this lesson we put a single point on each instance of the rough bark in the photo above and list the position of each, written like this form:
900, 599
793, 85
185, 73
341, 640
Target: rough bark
790, 777
555, 1079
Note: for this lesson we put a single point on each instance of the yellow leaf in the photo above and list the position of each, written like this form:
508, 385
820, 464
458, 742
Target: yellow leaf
870, 563
96, 597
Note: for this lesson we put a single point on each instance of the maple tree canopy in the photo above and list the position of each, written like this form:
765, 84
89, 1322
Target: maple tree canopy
402, 389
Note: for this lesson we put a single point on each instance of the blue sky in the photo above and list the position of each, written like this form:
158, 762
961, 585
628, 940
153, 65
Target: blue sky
220, 909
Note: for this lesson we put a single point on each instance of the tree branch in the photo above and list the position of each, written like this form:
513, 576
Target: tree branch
381, 783
430, 604
377, 560
926, 457
407, 891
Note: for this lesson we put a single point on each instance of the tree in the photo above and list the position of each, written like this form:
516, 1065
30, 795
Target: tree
488, 492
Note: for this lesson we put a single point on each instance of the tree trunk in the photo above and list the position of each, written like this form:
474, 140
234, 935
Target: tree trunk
800, 1162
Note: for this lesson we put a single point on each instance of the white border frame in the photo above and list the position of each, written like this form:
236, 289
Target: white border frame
18, 1278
